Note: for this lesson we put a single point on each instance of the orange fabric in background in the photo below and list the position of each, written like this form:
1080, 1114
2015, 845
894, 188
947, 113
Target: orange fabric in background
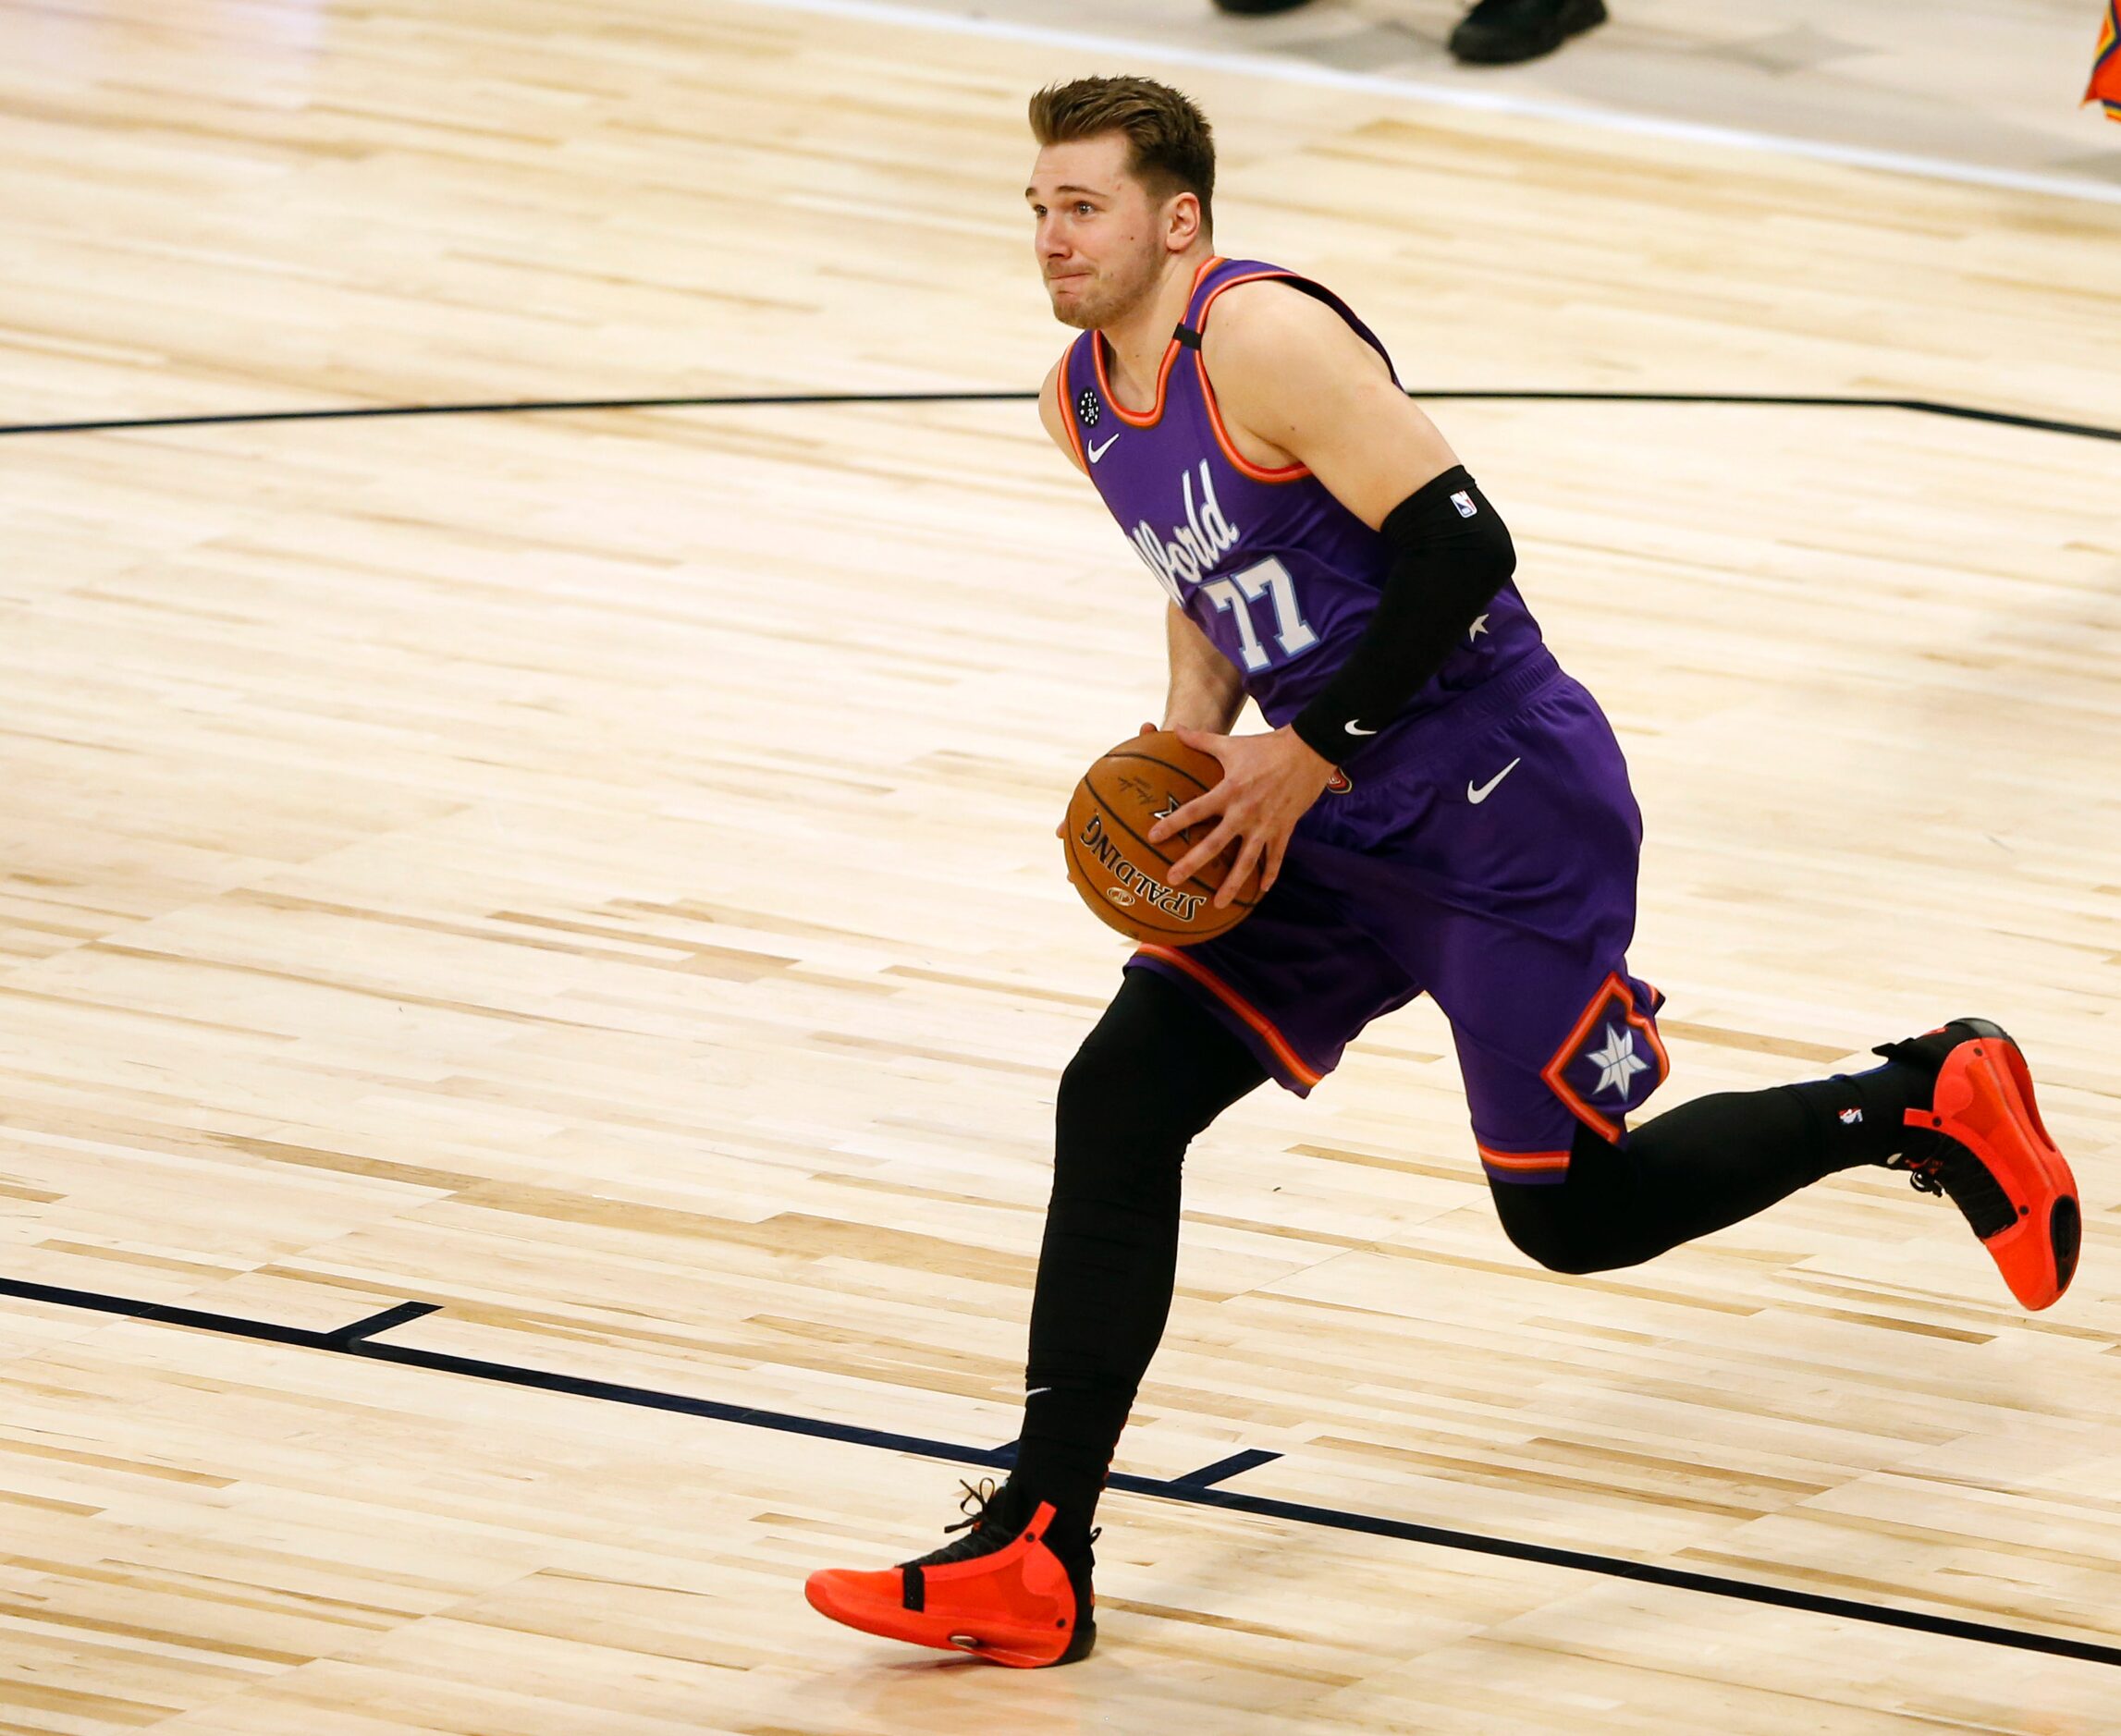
2105, 86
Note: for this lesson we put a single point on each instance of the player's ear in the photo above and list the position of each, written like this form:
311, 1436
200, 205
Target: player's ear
1182, 221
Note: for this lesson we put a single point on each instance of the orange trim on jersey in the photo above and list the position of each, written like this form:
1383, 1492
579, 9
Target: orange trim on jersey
1603, 1125
1237, 1004
1245, 466
1522, 1162
1066, 406
1155, 411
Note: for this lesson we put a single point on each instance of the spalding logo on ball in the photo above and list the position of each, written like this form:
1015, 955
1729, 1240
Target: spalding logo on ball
1119, 873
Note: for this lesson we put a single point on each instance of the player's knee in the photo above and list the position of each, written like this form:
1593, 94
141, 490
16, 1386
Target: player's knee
1114, 1103
1540, 1222
1103, 1089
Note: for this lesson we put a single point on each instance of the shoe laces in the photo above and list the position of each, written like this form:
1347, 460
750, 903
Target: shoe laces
985, 1526
993, 1518
1949, 1169
1922, 1160
973, 1504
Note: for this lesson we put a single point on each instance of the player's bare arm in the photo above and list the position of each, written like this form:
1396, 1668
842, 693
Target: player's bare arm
1296, 384
1206, 690
1055, 419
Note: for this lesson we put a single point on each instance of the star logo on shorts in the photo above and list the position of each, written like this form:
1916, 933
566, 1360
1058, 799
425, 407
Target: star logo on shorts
1618, 1061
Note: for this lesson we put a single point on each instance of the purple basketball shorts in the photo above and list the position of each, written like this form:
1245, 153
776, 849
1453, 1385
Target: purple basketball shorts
1488, 861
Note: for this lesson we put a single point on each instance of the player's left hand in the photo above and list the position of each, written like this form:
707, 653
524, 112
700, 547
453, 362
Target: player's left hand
1267, 784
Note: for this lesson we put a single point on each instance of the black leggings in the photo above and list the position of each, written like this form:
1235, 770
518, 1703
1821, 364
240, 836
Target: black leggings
1158, 1068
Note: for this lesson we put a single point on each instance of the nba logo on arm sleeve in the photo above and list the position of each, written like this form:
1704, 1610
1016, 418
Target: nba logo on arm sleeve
1463, 502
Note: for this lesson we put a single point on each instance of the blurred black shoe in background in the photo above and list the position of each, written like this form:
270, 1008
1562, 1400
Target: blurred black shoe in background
1497, 32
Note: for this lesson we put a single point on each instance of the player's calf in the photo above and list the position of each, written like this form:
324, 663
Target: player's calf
1955, 1109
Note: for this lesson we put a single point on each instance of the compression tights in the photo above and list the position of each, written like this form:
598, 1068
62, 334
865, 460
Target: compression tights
1158, 1068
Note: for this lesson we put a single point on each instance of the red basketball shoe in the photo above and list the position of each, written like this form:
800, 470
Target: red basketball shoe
1983, 1143
999, 1592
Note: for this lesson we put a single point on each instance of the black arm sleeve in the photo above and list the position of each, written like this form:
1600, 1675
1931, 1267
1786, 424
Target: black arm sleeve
1451, 554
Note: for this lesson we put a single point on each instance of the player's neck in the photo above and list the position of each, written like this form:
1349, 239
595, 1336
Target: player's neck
1138, 338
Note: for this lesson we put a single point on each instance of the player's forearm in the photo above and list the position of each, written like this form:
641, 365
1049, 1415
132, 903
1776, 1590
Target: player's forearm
1206, 692
1203, 700
1451, 554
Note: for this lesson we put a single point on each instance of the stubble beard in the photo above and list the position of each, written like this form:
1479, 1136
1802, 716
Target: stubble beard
1112, 301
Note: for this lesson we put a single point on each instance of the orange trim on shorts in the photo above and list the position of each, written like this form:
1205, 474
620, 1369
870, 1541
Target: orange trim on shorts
1245, 466
1156, 412
1603, 1125
1066, 406
1522, 1162
1237, 1004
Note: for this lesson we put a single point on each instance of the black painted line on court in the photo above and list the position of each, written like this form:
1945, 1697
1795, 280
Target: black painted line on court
383, 1322
162, 1313
1251, 1459
1918, 405
1187, 1489
514, 408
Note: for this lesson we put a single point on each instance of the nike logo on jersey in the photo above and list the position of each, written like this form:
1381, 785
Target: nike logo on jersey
1478, 793
1103, 446
1354, 728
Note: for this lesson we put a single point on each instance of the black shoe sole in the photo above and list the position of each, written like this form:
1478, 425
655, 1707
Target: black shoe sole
1079, 1644
2065, 1232
1485, 48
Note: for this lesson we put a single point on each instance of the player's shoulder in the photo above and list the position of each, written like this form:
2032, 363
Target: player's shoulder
1263, 336
1264, 301
1270, 315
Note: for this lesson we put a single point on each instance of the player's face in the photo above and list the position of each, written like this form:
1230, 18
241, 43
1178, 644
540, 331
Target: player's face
1100, 237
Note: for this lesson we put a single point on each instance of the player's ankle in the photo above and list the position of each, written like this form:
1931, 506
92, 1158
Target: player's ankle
1068, 1536
1860, 1118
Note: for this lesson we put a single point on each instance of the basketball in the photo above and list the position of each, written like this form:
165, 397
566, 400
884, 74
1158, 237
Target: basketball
1119, 873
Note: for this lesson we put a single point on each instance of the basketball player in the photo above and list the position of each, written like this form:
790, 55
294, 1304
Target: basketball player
1438, 808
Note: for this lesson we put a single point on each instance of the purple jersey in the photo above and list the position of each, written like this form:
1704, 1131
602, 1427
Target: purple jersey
1280, 577
1484, 849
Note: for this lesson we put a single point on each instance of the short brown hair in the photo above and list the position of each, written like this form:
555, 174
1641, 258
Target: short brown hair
1172, 146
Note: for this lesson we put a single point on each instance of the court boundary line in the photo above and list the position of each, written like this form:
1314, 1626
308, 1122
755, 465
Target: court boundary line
773, 400
1196, 1488
1283, 69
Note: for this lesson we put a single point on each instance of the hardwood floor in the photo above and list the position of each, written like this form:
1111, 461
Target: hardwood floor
591, 873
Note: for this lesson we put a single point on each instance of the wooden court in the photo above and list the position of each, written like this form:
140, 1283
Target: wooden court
589, 873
